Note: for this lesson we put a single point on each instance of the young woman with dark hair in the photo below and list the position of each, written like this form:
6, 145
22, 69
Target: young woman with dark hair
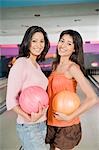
64, 131
26, 72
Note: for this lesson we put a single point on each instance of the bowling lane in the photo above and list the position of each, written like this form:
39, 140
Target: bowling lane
8, 137
96, 77
94, 80
3, 85
3, 88
90, 127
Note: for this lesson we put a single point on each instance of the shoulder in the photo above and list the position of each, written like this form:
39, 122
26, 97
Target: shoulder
73, 66
76, 72
20, 60
74, 69
19, 64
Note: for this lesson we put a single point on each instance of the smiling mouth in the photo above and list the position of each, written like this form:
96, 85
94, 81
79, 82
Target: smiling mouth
63, 50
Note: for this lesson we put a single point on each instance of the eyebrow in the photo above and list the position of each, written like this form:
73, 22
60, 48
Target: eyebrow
67, 41
71, 42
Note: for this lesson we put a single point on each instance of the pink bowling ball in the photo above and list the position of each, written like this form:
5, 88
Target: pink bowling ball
31, 96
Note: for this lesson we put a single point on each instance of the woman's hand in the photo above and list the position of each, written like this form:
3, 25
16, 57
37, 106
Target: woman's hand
30, 117
61, 116
39, 114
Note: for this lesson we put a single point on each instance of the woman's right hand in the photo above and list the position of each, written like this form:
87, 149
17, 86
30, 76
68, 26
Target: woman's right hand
30, 117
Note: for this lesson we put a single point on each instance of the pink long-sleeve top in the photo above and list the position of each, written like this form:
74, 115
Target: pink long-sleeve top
22, 75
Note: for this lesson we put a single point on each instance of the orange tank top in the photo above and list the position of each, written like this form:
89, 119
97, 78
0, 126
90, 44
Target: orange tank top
58, 82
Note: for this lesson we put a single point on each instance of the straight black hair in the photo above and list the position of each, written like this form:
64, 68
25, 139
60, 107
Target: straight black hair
78, 55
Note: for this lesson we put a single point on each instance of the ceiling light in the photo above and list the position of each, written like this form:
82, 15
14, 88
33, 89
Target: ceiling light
58, 25
3, 32
26, 26
37, 15
77, 20
97, 9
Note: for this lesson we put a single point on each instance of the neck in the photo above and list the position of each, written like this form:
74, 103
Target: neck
64, 61
33, 57
33, 60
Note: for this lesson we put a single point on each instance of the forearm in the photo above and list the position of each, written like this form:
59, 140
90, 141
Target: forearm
32, 117
17, 109
85, 106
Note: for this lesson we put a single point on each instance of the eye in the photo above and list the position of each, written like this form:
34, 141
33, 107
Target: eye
69, 44
33, 41
61, 40
42, 41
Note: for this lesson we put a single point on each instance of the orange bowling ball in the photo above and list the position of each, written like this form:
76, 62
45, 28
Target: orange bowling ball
65, 102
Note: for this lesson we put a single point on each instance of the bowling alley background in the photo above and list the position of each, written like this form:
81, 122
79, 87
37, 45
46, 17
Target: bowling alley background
54, 16
10, 51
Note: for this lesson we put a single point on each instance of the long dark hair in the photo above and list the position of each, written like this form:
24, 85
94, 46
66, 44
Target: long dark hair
78, 55
24, 46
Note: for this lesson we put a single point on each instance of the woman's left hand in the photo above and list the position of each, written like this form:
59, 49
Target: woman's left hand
61, 116
39, 114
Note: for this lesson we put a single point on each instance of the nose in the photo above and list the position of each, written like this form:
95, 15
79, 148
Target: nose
64, 44
39, 44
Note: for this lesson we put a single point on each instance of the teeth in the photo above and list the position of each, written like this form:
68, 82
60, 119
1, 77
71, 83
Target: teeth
63, 50
37, 50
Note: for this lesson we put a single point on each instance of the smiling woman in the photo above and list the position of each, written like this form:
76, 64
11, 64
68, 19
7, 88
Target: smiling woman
22, 3
25, 73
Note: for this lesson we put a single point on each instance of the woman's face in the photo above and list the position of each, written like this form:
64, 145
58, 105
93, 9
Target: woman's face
66, 45
37, 43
